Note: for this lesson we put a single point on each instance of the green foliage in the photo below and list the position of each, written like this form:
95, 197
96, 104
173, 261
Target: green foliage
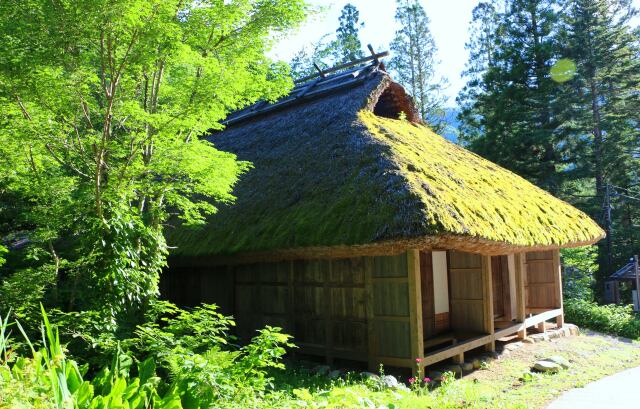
331, 50
610, 319
348, 45
580, 265
102, 105
414, 62
185, 363
552, 91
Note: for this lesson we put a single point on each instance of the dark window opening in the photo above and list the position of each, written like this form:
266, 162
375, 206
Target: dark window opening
394, 101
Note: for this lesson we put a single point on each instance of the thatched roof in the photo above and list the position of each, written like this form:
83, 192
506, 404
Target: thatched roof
334, 175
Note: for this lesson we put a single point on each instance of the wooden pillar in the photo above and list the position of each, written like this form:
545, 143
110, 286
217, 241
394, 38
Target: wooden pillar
415, 309
636, 270
521, 311
328, 322
371, 331
557, 271
487, 301
458, 359
291, 305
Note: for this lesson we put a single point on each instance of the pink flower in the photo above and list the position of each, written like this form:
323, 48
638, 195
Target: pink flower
418, 360
412, 380
426, 380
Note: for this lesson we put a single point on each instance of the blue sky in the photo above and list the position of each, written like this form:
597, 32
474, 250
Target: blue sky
449, 25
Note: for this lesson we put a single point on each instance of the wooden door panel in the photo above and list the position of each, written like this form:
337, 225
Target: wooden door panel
426, 283
498, 286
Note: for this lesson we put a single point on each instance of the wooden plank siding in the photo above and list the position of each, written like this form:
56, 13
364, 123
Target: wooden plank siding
467, 292
380, 309
540, 281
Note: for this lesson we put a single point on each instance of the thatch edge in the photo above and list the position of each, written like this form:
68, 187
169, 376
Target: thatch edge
467, 244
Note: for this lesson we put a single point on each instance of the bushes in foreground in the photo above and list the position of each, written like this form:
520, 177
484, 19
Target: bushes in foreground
611, 319
185, 361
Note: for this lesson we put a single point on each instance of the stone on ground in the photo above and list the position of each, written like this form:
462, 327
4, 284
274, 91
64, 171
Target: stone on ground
564, 363
336, 373
547, 367
434, 375
390, 381
456, 369
321, 369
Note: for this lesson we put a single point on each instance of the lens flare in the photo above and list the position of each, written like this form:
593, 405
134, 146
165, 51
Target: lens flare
563, 70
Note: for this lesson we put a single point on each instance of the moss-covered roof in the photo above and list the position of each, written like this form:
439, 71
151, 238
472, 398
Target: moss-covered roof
329, 173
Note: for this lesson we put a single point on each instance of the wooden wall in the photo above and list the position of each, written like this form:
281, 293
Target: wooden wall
465, 292
356, 308
191, 286
540, 281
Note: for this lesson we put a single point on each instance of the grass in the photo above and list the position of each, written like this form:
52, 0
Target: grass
508, 383
504, 383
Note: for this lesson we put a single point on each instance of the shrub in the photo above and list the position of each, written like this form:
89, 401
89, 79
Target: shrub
196, 366
611, 319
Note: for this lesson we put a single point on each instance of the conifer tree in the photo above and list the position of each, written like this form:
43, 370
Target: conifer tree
414, 61
603, 100
512, 100
347, 45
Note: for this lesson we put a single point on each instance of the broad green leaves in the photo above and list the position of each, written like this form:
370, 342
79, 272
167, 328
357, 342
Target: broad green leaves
102, 108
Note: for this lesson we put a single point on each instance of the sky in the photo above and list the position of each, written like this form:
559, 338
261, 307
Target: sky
449, 25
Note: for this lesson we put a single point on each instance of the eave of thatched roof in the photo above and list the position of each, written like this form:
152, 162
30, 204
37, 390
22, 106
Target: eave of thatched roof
332, 179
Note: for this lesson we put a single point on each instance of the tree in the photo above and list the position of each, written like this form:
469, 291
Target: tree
347, 45
319, 53
604, 96
414, 61
101, 109
553, 95
482, 46
509, 104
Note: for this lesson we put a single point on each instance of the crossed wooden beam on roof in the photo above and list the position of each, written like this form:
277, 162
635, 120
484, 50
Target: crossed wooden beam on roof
323, 73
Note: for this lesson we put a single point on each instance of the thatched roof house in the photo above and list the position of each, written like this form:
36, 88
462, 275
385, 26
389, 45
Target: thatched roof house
349, 194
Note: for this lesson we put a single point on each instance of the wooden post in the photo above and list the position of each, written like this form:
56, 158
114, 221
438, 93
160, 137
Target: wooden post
520, 293
458, 359
487, 301
371, 331
328, 321
291, 313
637, 271
415, 309
557, 271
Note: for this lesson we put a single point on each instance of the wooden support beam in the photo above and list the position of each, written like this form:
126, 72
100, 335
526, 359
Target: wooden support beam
291, 305
458, 359
537, 319
520, 293
374, 57
371, 332
636, 271
452, 351
415, 308
487, 301
557, 272
516, 328
328, 322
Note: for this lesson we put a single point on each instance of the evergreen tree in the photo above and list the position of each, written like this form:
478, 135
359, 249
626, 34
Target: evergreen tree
414, 61
482, 47
553, 94
511, 99
602, 101
319, 53
347, 46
